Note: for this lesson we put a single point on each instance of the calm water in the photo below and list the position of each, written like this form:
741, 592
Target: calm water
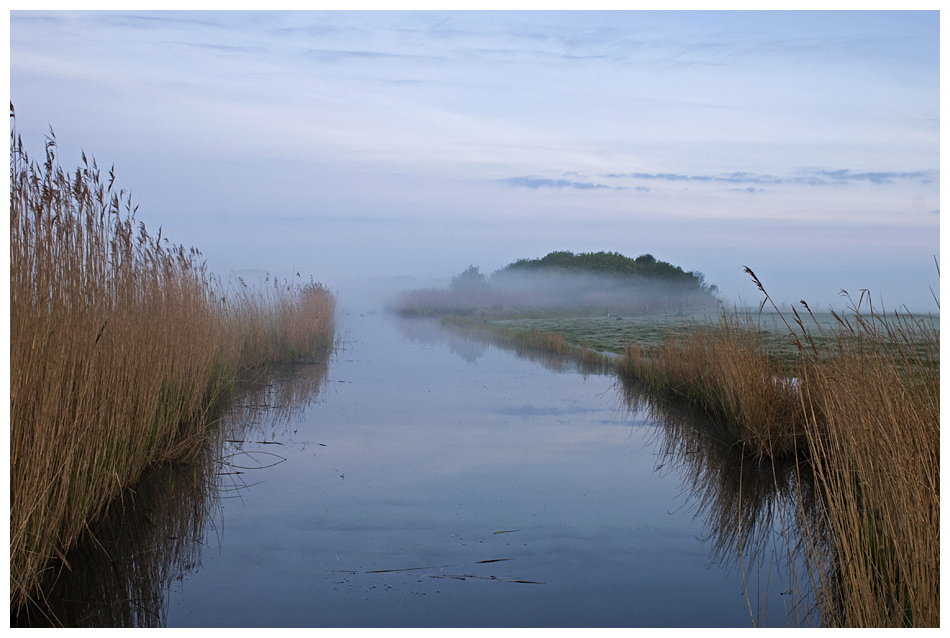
423, 479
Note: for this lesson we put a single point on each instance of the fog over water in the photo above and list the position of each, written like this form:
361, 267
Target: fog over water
359, 147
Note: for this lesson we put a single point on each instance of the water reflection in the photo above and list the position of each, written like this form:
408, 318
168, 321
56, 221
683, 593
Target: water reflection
760, 517
756, 513
120, 573
469, 342
430, 332
265, 408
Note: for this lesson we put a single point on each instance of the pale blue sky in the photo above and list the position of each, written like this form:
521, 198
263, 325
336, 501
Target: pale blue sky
802, 144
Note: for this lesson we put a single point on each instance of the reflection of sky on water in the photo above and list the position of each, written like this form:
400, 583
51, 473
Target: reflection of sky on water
415, 458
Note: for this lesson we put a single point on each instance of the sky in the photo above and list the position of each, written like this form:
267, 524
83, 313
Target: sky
369, 144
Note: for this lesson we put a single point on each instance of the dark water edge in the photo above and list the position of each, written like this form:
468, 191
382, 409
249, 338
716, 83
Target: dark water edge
422, 479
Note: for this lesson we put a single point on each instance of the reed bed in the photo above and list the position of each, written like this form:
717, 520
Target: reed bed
274, 321
861, 405
726, 370
122, 349
119, 574
872, 408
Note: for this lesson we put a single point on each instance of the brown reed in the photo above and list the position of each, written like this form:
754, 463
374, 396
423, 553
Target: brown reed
864, 410
872, 407
119, 572
726, 370
121, 349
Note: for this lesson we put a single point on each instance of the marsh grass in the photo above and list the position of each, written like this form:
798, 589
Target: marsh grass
122, 349
276, 321
872, 406
859, 402
120, 571
726, 370
605, 333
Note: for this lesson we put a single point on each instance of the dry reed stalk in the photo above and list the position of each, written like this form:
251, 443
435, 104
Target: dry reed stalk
279, 322
112, 337
119, 573
747, 503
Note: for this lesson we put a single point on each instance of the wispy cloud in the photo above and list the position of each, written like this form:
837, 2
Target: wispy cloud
538, 182
336, 55
810, 178
843, 176
733, 178
750, 189
745, 182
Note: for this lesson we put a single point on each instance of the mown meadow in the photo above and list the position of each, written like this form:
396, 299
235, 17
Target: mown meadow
123, 352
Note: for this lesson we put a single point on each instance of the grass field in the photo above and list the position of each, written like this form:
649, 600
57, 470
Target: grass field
612, 333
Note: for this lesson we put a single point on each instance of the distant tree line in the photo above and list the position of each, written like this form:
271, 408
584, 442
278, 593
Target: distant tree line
564, 282
611, 263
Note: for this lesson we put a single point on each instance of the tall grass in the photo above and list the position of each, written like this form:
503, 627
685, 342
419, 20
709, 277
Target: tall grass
872, 406
749, 505
121, 349
121, 571
726, 370
274, 321
861, 404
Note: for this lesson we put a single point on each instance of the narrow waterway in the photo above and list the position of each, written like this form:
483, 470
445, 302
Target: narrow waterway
425, 479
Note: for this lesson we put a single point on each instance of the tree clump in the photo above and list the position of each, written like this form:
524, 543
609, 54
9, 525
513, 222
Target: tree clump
566, 283
614, 264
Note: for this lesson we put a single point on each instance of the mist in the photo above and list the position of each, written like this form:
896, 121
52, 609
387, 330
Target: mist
524, 288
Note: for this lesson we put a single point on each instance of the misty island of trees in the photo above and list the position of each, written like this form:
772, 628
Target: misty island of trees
562, 282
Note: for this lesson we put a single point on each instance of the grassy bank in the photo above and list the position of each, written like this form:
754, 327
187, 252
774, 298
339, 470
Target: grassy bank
727, 370
860, 401
608, 333
122, 347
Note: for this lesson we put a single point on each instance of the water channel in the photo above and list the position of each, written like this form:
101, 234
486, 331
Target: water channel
419, 478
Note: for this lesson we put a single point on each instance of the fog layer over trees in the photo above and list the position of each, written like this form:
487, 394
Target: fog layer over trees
567, 283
